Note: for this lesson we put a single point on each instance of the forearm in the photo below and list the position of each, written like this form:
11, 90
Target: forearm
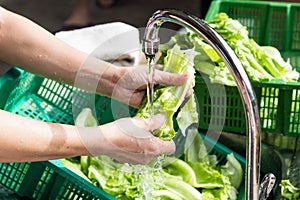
24, 139
128, 139
27, 45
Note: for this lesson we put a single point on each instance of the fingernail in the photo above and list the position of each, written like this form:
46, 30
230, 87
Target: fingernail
188, 93
186, 76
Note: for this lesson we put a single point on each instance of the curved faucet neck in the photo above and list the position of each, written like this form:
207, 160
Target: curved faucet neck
151, 47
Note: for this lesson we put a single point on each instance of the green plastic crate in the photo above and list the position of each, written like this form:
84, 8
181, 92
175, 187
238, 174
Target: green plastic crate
51, 180
47, 180
269, 23
7, 84
47, 100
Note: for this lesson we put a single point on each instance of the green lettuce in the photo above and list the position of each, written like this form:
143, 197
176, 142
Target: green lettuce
210, 177
233, 170
262, 63
288, 190
200, 171
125, 181
194, 176
188, 115
168, 99
75, 167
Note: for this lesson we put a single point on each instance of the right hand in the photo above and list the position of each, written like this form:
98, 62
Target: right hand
129, 140
131, 86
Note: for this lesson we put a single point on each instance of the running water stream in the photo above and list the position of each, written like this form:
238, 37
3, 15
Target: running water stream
144, 173
150, 85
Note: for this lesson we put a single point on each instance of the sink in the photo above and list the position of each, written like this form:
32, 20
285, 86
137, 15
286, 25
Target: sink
272, 160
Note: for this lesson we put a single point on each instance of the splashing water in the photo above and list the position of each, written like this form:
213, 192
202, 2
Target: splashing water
150, 177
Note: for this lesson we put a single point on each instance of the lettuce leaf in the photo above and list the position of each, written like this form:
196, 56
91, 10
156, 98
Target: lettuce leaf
194, 176
288, 190
74, 167
168, 99
182, 189
233, 170
187, 115
262, 63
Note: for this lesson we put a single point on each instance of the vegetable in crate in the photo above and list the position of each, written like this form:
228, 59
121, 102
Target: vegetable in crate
195, 176
262, 63
288, 191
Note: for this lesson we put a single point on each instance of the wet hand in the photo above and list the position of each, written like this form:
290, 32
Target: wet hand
129, 140
131, 87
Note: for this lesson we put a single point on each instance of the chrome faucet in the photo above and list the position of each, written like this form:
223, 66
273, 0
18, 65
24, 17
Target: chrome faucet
193, 23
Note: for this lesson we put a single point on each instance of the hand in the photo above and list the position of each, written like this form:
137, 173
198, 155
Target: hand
131, 87
128, 140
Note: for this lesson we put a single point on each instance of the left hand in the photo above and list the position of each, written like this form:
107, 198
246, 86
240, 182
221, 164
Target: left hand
127, 140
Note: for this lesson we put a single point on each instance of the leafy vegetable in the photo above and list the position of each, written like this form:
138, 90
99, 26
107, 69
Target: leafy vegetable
195, 150
188, 115
208, 175
195, 176
74, 167
288, 191
168, 99
197, 170
262, 60
233, 170
262, 63
126, 181
86, 118
182, 189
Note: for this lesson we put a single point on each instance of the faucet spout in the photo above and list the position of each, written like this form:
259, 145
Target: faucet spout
193, 23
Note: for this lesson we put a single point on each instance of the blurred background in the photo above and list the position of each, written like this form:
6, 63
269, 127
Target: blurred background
51, 14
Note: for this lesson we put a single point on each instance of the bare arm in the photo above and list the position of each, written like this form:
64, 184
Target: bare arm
24, 139
25, 44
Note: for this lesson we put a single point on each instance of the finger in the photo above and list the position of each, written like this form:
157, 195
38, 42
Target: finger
188, 93
136, 99
193, 83
153, 123
170, 147
156, 121
158, 67
170, 78
157, 146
